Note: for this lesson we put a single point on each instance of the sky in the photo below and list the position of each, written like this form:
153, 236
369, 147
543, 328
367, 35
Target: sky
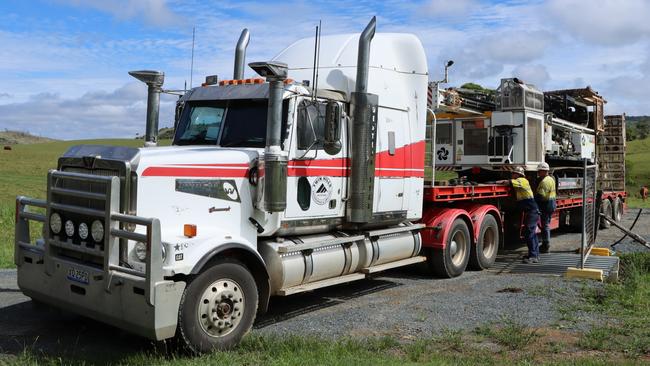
64, 63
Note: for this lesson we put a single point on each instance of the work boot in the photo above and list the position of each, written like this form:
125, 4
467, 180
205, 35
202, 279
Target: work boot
545, 248
530, 260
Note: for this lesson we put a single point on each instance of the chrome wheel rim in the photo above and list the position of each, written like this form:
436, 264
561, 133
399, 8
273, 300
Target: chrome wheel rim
221, 307
457, 248
489, 242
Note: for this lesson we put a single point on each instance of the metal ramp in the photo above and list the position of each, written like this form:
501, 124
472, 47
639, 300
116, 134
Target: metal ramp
556, 264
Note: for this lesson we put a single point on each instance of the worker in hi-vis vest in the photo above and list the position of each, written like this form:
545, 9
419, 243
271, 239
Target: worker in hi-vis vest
526, 203
545, 198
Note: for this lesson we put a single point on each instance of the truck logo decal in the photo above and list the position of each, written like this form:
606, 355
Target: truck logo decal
213, 188
230, 190
321, 190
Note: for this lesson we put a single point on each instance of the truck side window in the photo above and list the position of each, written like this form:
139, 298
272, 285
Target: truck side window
443, 134
311, 125
304, 193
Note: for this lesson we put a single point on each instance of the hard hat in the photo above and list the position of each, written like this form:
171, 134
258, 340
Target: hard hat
519, 170
543, 166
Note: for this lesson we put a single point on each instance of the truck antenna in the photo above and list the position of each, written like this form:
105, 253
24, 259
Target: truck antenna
192, 62
314, 75
320, 29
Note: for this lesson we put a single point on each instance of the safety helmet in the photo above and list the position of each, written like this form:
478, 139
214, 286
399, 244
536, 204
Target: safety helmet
519, 170
543, 166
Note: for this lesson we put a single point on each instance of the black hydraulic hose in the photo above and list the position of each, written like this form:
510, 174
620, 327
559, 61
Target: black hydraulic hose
630, 229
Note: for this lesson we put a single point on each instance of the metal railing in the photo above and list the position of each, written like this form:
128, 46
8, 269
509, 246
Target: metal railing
590, 216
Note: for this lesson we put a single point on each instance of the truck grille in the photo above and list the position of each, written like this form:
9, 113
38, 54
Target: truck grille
81, 194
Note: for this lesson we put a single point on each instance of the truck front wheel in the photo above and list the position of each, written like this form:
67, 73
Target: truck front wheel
452, 260
484, 253
217, 308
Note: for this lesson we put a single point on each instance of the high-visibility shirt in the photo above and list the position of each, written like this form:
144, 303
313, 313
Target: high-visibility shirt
546, 188
522, 188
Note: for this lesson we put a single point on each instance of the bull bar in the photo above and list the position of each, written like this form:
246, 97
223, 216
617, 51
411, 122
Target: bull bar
144, 303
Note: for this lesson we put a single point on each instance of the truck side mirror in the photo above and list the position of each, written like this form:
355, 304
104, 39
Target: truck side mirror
177, 112
332, 143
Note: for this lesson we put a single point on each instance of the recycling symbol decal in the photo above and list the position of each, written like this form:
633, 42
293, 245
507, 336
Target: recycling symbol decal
443, 153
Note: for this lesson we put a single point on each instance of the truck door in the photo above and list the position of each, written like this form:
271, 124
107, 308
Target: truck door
393, 160
317, 181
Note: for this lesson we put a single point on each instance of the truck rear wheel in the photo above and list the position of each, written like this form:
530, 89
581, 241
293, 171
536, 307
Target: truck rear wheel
484, 252
452, 260
617, 209
217, 308
605, 208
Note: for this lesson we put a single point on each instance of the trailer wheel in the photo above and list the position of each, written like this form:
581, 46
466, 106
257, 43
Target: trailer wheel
617, 209
605, 208
217, 308
452, 260
484, 252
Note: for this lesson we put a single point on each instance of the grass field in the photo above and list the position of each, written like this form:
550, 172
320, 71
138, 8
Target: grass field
637, 164
23, 171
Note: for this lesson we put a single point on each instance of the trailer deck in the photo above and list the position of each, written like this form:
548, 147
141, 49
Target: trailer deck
465, 192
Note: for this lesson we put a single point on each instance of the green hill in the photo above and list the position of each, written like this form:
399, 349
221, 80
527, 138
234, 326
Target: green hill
637, 164
16, 137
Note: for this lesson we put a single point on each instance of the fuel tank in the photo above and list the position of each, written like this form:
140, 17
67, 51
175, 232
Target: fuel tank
294, 261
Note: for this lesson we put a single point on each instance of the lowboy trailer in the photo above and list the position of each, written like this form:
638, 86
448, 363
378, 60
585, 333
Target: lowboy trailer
272, 187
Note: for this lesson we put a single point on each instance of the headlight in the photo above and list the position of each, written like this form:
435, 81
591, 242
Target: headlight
97, 231
83, 231
55, 223
69, 228
140, 251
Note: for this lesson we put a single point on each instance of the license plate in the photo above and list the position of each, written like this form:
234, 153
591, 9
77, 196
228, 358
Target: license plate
78, 275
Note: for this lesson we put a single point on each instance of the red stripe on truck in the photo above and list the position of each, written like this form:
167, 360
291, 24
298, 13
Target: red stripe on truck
159, 171
407, 161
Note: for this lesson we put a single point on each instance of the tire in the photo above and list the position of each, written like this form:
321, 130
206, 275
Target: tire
484, 252
218, 292
617, 209
605, 208
448, 262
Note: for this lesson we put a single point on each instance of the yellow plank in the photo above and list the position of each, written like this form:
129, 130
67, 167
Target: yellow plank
601, 252
589, 273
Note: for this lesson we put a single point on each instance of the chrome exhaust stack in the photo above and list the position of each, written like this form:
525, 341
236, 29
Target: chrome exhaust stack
240, 54
364, 135
154, 80
275, 160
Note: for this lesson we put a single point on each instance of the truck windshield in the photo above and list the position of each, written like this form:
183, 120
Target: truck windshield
228, 123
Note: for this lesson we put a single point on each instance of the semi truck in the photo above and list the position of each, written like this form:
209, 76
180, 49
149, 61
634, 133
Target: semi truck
310, 175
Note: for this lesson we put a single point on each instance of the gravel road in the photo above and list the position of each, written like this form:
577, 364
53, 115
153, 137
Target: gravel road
404, 303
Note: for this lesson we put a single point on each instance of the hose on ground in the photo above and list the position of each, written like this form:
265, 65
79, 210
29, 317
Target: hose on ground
630, 229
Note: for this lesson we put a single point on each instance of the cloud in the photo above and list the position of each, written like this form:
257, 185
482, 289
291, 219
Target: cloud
515, 46
154, 12
486, 56
446, 8
605, 22
5, 95
98, 114
532, 74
